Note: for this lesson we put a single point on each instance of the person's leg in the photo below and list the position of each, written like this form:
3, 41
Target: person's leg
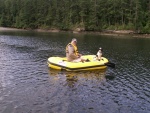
77, 60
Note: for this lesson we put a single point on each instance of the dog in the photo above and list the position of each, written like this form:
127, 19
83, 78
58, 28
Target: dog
99, 54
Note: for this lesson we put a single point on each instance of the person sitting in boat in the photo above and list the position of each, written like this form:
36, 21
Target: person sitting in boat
72, 53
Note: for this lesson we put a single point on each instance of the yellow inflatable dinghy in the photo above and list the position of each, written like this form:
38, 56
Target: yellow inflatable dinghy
61, 63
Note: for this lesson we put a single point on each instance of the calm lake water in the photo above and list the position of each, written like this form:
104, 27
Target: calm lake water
27, 85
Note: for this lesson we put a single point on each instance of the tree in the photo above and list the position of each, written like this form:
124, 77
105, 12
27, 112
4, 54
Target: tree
69, 14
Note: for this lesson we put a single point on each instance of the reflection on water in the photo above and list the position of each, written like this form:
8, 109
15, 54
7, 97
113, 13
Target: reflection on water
79, 90
73, 78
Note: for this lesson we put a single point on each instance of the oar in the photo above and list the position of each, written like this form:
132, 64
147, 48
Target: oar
109, 64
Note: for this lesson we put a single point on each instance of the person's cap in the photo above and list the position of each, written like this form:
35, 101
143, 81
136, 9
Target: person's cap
74, 40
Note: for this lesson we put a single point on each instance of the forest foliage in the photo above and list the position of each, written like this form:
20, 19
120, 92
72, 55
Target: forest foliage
91, 15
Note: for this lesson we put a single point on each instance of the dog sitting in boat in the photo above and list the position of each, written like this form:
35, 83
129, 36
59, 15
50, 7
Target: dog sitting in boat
99, 54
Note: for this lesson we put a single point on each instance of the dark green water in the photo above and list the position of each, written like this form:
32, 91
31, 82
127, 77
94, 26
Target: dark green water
28, 86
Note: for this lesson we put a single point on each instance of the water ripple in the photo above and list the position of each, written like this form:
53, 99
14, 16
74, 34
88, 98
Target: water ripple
28, 86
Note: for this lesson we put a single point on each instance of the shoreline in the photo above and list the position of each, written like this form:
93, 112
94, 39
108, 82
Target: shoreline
11, 29
104, 32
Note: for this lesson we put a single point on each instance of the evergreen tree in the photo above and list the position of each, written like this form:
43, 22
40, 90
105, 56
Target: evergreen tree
69, 14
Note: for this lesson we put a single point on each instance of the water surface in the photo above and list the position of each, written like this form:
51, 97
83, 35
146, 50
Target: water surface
27, 85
